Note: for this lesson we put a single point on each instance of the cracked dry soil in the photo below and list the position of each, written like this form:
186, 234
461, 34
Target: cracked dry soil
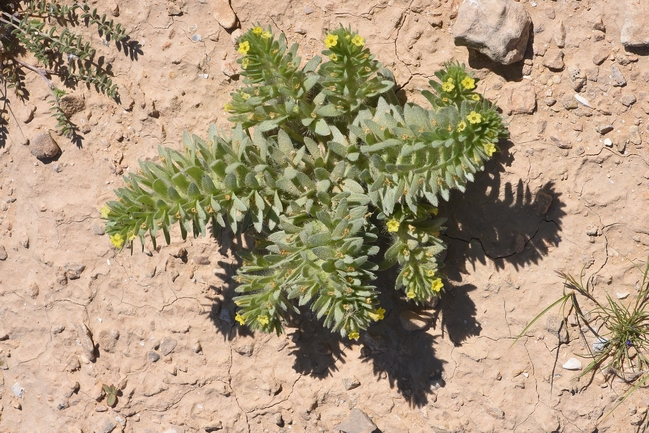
158, 325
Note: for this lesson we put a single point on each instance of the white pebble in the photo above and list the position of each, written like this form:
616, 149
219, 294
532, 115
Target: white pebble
572, 364
583, 101
608, 142
621, 295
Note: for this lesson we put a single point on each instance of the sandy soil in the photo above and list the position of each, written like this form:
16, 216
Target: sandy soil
163, 325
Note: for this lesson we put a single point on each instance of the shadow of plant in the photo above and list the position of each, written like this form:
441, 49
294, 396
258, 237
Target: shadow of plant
503, 222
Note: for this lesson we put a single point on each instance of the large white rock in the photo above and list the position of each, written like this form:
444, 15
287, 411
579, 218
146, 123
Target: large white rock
498, 29
635, 30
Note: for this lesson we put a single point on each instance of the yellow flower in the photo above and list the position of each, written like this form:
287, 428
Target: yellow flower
378, 315
490, 148
117, 240
437, 285
245, 62
239, 318
244, 47
358, 40
410, 294
104, 211
475, 97
331, 40
245, 96
474, 117
263, 320
131, 236
333, 57
257, 30
393, 225
354, 335
266, 35
227, 107
448, 86
435, 211
461, 126
468, 83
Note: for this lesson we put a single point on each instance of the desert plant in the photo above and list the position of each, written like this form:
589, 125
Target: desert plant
38, 31
620, 331
321, 161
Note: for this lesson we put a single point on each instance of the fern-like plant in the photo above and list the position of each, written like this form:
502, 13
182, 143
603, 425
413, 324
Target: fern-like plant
321, 161
41, 28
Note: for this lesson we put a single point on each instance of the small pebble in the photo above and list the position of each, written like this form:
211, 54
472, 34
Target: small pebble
608, 142
572, 364
153, 356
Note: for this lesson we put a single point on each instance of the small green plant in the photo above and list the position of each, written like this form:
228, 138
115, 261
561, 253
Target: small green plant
322, 160
38, 30
111, 395
621, 332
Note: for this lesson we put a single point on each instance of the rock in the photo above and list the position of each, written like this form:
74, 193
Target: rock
498, 29
577, 79
153, 356
522, 100
635, 29
213, 426
17, 390
356, 422
85, 338
553, 60
24, 241
604, 129
167, 346
98, 230
600, 55
351, 382
572, 364
494, 411
107, 426
223, 14
3, 253
628, 99
44, 147
617, 79
278, 419
33, 290
108, 339
73, 270
608, 142
71, 104
173, 9
61, 277
560, 36
561, 142
634, 135
412, 321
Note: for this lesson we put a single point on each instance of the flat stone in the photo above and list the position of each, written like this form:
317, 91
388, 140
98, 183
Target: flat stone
553, 60
17, 390
356, 422
634, 135
224, 14
628, 99
522, 99
617, 78
153, 356
499, 29
167, 346
600, 55
572, 364
43, 146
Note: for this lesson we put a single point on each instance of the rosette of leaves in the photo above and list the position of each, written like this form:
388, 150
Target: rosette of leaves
321, 160
42, 29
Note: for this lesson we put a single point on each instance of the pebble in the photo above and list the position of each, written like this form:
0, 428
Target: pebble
601, 55
71, 104
224, 14
560, 36
356, 422
73, 270
213, 426
553, 60
411, 321
543, 202
608, 142
351, 383
628, 99
85, 338
572, 364
622, 295
98, 230
634, 135
617, 78
153, 356
599, 345
583, 101
604, 129
167, 346
17, 390
44, 147
3, 253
